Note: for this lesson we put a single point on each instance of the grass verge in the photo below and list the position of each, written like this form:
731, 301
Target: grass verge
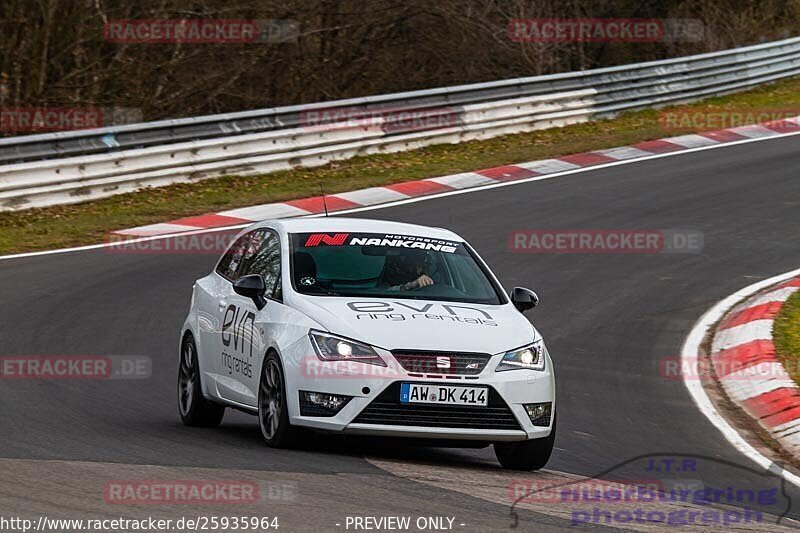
786, 336
62, 226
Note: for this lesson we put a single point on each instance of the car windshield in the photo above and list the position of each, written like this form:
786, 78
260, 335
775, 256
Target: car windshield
387, 265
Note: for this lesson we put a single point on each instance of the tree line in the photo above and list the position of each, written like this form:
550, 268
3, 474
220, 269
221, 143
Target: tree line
57, 53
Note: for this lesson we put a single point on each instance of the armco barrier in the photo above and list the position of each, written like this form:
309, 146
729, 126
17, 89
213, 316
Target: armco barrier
68, 167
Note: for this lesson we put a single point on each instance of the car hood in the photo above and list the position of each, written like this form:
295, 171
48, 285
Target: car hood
397, 323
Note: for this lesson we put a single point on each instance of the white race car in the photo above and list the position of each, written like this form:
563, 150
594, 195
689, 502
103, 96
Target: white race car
367, 327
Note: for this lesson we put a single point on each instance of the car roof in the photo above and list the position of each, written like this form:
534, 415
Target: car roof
356, 225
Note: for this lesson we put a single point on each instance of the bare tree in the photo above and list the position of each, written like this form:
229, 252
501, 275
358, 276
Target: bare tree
54, 53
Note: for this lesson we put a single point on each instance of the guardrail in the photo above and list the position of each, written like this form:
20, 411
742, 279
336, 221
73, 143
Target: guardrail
69, 167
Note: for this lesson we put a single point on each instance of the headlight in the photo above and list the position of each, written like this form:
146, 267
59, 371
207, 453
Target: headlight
334, 348
531, 357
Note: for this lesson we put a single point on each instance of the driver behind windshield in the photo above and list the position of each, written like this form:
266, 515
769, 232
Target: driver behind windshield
405, 272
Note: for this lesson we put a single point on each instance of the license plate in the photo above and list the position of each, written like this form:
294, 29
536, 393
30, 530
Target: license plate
443, 394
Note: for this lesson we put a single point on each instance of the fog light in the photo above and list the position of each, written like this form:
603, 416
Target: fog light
539, 413
321, 404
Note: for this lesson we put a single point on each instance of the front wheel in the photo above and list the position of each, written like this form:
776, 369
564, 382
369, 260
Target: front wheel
273, 408
527, 455
194, 409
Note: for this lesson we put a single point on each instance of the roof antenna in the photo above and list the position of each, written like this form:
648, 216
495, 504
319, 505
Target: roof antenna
324, 202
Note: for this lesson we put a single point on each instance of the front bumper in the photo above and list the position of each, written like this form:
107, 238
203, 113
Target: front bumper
505, 419
436, 433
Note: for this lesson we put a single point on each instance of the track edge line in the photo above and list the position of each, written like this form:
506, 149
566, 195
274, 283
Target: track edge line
689, 356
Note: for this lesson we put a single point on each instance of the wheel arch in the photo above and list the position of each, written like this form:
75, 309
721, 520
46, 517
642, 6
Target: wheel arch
187, 332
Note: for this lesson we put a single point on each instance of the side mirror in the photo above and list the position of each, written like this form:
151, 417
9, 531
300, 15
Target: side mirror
253, 287
524, 299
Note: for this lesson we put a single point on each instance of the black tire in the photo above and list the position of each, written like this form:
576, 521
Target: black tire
526, 455
194, 409
273, 405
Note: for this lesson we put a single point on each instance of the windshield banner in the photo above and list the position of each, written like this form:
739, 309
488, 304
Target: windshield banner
385, 240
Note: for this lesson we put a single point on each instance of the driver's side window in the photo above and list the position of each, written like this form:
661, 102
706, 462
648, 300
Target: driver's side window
266, 260
230, 265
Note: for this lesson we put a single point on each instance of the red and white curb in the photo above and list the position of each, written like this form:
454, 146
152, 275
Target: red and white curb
464, 180
744, 360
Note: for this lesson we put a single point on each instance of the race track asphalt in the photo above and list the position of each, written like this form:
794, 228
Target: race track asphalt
609, 319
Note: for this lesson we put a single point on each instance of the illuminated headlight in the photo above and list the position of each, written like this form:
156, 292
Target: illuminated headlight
321, 404
334, 348
531, 357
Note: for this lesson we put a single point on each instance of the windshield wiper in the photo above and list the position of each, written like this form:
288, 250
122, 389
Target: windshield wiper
319, 290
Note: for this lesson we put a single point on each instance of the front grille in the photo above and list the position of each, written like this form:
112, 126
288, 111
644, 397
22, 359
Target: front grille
387, 409
442, 363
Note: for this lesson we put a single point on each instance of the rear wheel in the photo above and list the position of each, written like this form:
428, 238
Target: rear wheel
526, 455
194, 409
273, 408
